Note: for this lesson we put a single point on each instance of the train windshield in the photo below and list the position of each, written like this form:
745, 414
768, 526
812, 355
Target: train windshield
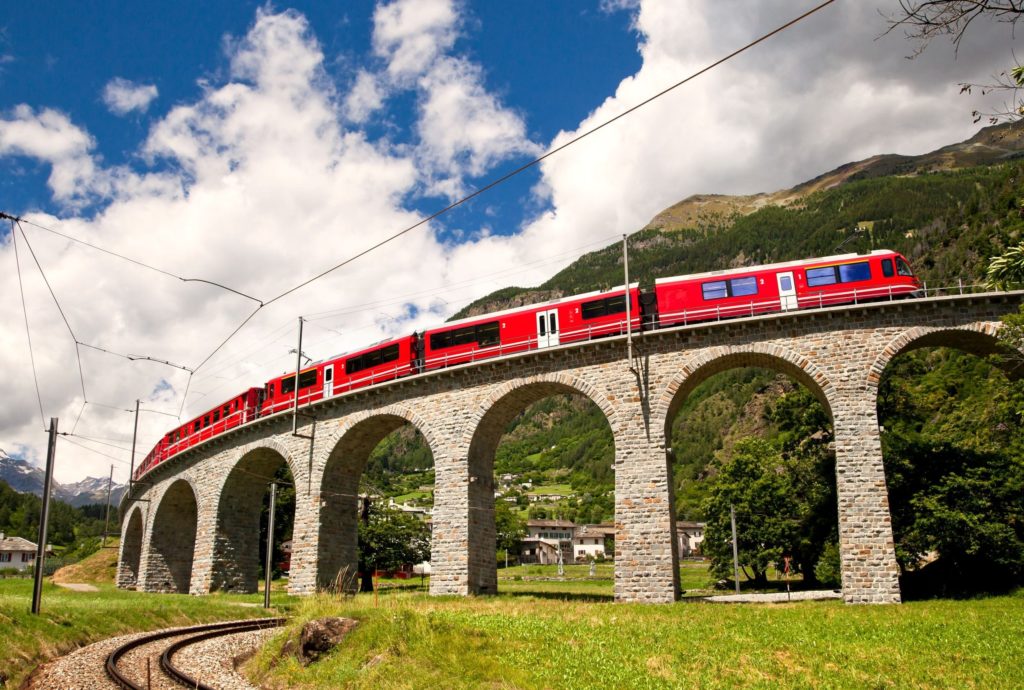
902, 268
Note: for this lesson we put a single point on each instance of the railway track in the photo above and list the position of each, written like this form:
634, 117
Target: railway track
140, 677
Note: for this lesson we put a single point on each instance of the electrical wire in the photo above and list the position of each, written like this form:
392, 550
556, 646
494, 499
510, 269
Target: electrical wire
526, 166
134, 357
93, 450
28, 333
78, 354
423, 221
94, 440
129, 259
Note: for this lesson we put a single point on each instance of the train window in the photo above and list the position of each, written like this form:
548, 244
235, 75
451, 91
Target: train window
902, 268
216, 416
483, 334
206, 421
306, 379
196, 426
743, 287
603, 307
488, 334
541, 325
850, 273
887, 268
821, 276
714, 290
371, 359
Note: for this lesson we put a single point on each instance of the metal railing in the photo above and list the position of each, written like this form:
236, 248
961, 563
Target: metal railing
816, 300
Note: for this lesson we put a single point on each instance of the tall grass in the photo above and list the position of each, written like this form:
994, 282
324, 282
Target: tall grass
411, 641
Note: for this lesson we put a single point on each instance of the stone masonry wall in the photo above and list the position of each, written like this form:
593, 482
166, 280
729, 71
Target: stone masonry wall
837, 353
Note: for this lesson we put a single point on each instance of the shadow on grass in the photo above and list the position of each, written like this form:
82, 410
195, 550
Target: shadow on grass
560, 596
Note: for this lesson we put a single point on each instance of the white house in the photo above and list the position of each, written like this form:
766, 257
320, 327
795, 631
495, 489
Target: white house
16, 552
588, 543
690, 536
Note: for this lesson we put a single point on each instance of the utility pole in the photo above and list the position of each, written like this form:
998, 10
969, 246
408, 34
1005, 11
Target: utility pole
298, 367
106, 517
135, 435
735, 549
269, 562
629, 320
44, 517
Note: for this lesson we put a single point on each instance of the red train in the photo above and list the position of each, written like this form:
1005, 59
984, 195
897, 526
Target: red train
849, 278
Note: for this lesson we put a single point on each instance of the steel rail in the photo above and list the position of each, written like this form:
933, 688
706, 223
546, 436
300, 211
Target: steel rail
203, 632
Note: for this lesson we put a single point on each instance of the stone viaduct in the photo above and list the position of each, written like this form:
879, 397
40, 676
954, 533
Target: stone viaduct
192, 524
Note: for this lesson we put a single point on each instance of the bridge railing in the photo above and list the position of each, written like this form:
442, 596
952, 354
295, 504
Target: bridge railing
813, 300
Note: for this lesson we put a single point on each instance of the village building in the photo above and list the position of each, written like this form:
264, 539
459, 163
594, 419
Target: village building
16, 552
689, 535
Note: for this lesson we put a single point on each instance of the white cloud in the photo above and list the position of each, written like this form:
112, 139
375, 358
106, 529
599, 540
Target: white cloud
264, 179
464, 130
122, 96
49, 135
411, 34
364, 98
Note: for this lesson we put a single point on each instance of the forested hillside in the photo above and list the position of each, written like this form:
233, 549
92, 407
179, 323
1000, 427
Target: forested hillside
952, 423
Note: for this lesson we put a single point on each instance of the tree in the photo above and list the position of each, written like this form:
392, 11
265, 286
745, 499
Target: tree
1006, 271
389, 539
924, 20
511, 528
757, 484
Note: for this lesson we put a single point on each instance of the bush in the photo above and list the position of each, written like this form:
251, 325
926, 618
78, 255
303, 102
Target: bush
827, 569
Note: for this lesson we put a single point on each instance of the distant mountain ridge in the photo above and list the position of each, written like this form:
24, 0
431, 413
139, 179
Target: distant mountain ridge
995, 144
26, 478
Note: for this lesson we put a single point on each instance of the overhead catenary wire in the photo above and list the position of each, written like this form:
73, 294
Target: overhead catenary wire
423, 221
129, 259
521, 169
93, 450
28, 332
134, 358
78, 354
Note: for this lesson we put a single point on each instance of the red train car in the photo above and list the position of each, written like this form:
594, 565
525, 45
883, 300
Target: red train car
234, 412
384, 361
846, 278
558, 321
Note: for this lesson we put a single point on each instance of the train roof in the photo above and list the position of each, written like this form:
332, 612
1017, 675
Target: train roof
761, 267
534, 305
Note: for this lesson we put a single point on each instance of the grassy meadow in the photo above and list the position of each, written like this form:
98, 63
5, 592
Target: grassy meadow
546, 631
544, 639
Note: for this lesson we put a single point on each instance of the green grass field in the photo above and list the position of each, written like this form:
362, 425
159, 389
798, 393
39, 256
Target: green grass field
543, 631
567, 640
69, 619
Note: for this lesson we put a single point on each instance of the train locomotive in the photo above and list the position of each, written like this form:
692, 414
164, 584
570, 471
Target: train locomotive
674, 301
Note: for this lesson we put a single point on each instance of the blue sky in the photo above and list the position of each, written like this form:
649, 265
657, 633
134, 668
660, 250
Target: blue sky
551, 60
257, 145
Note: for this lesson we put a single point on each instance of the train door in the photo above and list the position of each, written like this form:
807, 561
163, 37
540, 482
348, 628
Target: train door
547, 328
328, 380
787, 291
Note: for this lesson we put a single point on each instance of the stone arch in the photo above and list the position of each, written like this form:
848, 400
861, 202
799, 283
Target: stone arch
348, 451
978, 339
715, 360
487, 426
131, 550
711, 361
173, 539
236, 546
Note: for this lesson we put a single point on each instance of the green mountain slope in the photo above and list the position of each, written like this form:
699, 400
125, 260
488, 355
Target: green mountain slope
944, 211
